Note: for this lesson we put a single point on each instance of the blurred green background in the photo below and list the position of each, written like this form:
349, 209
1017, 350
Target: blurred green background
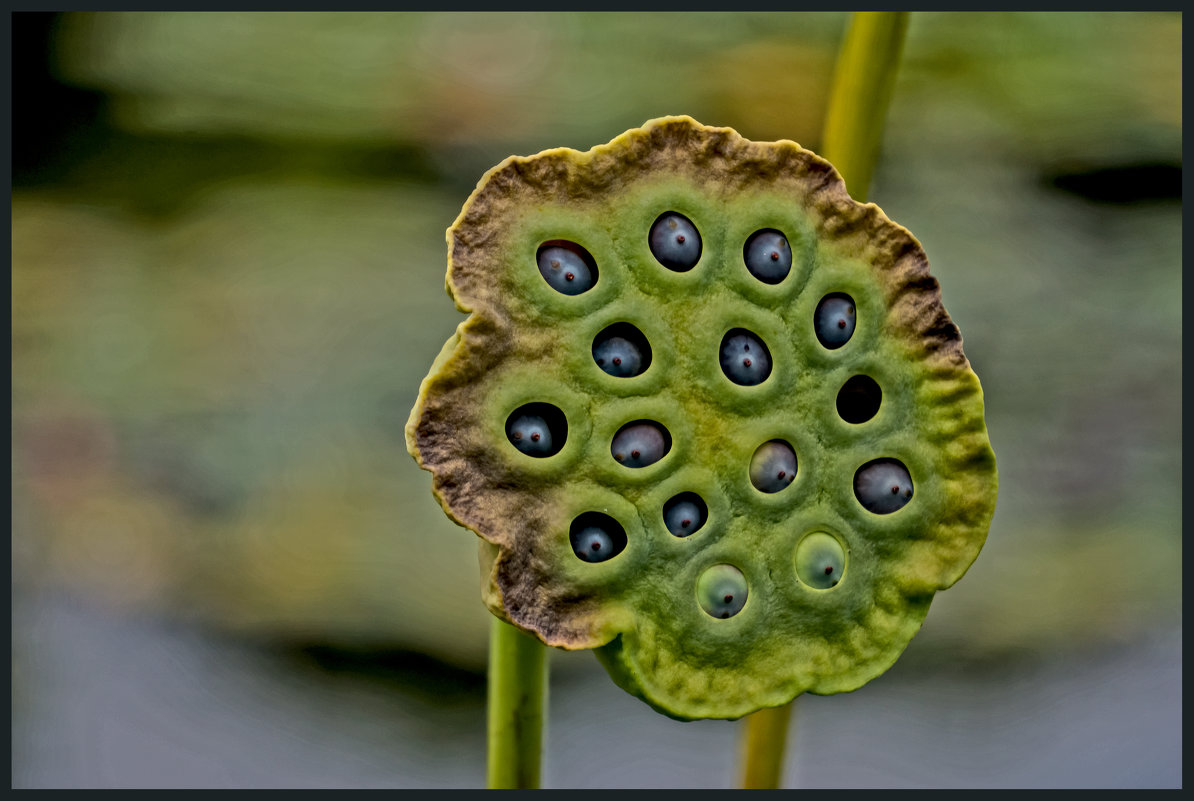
228, 263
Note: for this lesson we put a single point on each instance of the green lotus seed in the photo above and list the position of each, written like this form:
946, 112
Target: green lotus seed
721, 591
820, 561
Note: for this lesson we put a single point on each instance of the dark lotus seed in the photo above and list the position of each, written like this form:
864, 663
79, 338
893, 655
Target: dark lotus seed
596, 537
683, 516
768, 256
883, 486
537, 429
722, 591
675, 242
858, 400
639, 444
564, 270
744, 358
530, 434
593, 544
773, 466
618, 357
834, 320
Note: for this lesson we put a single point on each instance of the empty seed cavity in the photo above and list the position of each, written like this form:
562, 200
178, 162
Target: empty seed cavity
641, 443
883, 486
622, 351
722, 591
858, 400
675, 242
768, 255
834, 320
537, 429
566, 266
596, 537
685, 514
744, 358
820, 561
773, 466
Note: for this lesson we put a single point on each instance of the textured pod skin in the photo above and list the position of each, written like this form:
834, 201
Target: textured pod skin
525, 343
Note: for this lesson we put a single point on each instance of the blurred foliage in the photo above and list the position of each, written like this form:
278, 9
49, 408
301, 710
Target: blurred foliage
228, 283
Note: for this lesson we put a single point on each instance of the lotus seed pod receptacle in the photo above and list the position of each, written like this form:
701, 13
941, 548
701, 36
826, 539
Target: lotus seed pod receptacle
787, 460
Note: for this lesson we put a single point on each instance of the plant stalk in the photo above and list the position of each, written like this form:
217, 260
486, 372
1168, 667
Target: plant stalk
861, 93
517, 703
863, 82
766, 732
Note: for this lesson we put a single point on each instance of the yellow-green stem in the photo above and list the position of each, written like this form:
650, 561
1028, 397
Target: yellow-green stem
517, 702
766, 732
862, 87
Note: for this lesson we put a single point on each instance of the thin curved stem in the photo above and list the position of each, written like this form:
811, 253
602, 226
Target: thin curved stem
516, 707
862, 87
863, 82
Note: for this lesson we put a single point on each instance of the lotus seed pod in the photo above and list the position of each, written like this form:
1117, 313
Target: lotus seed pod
891, 386
773, 466
768, 256
565, 270
834, 320
744, 358
675, 242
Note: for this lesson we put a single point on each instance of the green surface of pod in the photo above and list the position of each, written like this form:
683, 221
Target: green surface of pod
526, 342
